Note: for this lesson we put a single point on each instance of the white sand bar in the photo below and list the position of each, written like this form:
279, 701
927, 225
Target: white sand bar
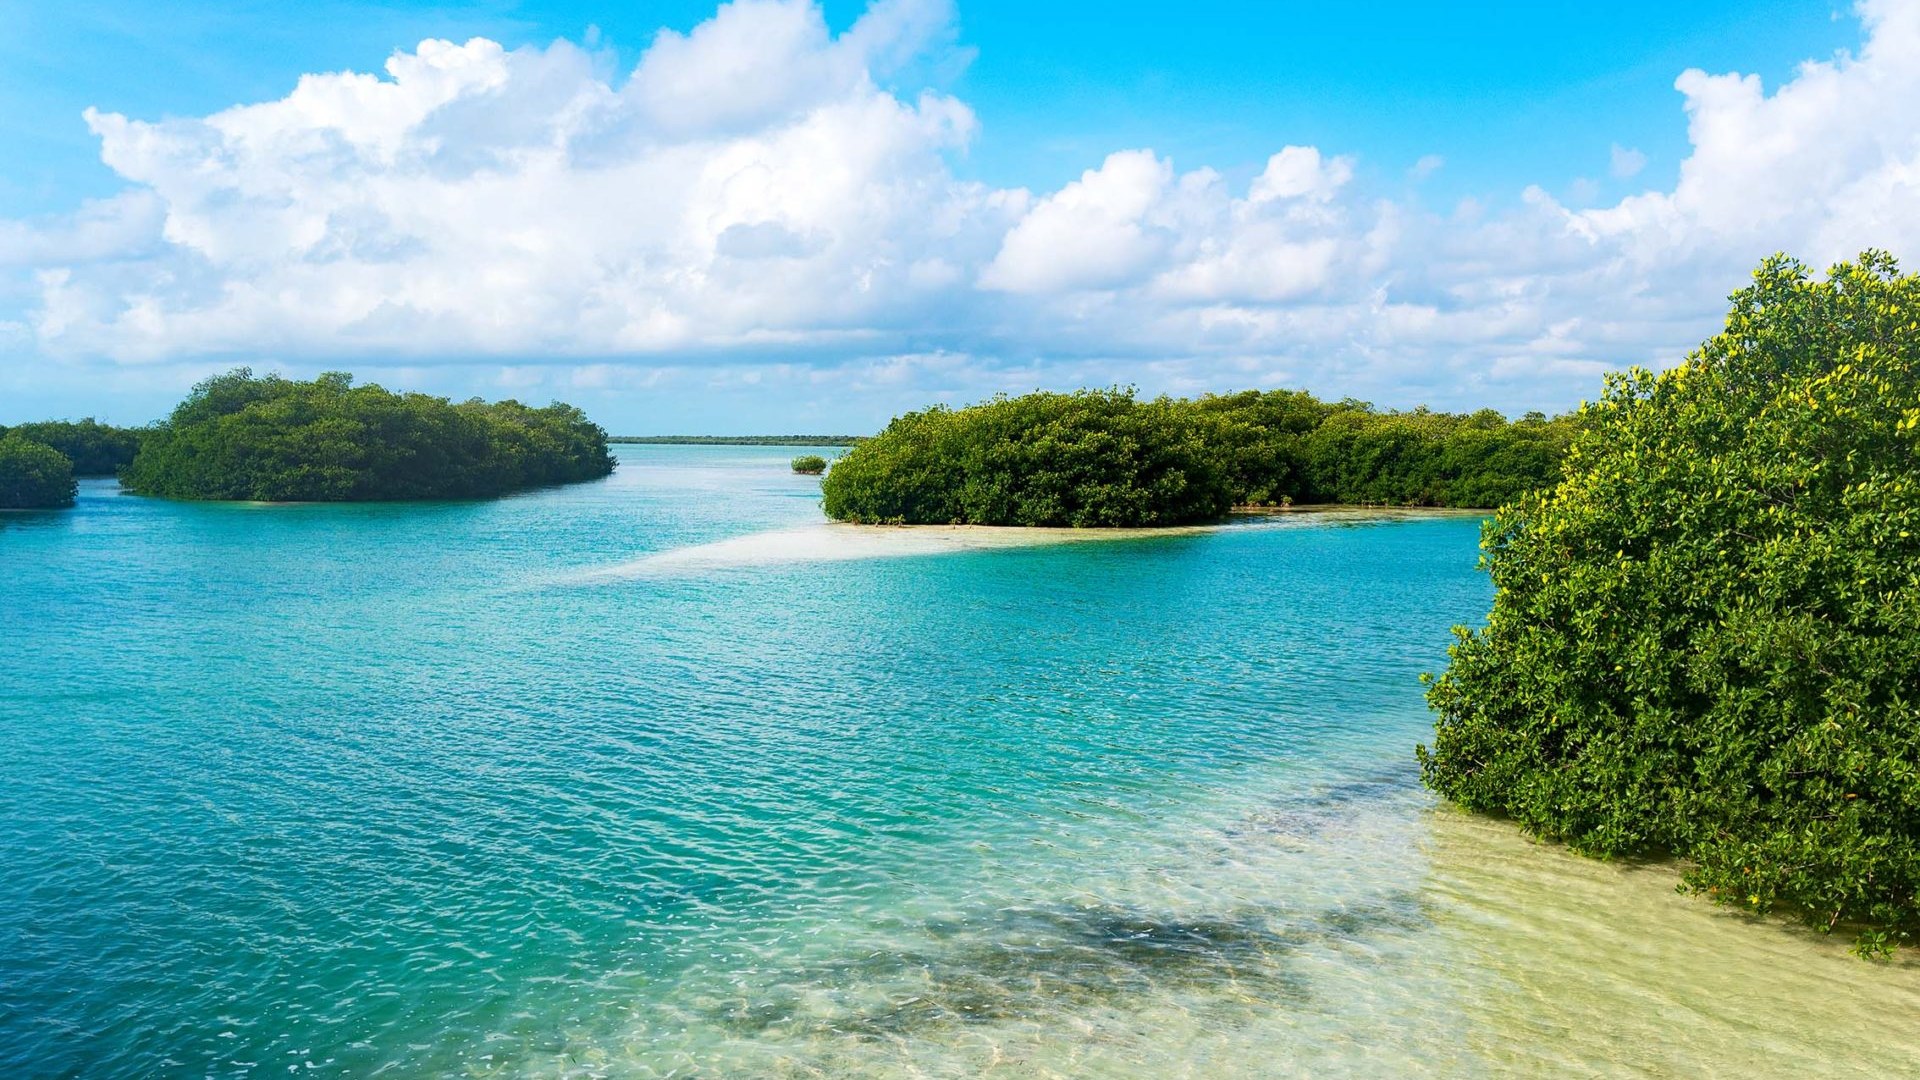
837, 542
840, 542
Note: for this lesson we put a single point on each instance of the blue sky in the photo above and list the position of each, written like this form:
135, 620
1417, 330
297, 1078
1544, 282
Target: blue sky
1430, 125
1509, 93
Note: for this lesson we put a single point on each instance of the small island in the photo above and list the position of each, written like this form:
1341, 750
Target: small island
264, 438
1107, 459
810, 464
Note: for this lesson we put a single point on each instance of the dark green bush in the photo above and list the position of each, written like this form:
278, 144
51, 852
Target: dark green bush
95, 449
34, 476
271, 439
810, 464
1104, 458
1705, 641
1424, 458
1096, 458
1260, 439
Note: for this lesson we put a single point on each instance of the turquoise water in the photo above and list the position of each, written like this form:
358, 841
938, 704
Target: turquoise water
495, 789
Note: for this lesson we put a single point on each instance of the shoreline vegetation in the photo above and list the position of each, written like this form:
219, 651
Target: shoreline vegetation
34, 476
1108, 459
1705, 639
267, 439
93, 448
30, 479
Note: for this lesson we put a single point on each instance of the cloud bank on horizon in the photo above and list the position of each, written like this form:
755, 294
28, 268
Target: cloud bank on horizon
758, 200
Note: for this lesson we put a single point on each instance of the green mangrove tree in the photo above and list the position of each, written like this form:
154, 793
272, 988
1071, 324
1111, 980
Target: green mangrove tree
34, 476
1705, 640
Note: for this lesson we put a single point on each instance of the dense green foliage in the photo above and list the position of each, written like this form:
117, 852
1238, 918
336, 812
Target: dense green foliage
33, 476
1706, 640
271, 439
95, 449
737, 440
1092, 458
810, 464
1105, 458
1286, 446
1426, 458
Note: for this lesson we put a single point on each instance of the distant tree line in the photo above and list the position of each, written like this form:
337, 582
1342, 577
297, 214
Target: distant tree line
1104, 458
242, 436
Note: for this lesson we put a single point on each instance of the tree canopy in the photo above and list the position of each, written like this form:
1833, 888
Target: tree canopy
95, 449
1705, 640
1091, 458
241, 436
1106, 458
33, 476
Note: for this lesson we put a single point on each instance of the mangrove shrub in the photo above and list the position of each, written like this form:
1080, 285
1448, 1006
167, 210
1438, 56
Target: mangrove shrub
810, 464
1286, 446
95, 449
1104, 458
1260, 439
238, 436
34, 476
1705, 640
1095, 458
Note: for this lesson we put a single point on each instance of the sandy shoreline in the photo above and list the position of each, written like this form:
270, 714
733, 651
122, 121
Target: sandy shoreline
843, 542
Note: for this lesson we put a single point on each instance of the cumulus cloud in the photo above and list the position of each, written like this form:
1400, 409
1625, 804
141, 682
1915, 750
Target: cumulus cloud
748, 183
757, 190
1103, 230
1624, 163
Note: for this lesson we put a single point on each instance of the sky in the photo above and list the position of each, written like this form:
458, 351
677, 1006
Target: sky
777, 216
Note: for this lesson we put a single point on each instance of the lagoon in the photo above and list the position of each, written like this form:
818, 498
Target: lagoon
656, 777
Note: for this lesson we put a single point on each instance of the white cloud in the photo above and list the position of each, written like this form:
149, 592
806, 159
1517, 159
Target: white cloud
1825, 165
751, 196
480, 201
1624, 163
1103, 230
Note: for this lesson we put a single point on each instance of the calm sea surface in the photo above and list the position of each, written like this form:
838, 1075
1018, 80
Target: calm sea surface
518, 788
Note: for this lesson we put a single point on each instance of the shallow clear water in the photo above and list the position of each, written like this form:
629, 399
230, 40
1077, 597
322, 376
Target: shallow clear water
549, 786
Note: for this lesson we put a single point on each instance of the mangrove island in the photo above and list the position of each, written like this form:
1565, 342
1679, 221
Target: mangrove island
270, 439
1107, 459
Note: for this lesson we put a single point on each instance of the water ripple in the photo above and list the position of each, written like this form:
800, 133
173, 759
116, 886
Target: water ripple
358, 791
